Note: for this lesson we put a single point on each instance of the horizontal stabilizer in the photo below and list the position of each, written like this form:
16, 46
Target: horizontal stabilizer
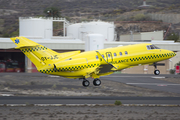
28, 46
23, 42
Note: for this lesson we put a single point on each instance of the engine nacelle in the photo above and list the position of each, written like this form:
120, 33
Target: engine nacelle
71, 64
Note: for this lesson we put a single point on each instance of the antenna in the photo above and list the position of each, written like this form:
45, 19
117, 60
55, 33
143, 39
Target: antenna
144, 4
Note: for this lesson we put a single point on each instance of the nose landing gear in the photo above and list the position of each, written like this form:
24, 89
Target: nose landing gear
156, 71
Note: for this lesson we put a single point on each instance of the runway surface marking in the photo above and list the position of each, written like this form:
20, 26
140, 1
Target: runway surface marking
136, 76
157, 84
158, 77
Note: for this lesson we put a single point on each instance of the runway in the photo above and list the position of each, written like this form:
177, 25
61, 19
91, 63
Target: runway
147, 81
89, 100
139, 80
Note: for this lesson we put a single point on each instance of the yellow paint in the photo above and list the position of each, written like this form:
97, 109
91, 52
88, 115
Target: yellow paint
92, 63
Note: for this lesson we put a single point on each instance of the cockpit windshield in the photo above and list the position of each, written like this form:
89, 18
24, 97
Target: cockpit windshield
150, 47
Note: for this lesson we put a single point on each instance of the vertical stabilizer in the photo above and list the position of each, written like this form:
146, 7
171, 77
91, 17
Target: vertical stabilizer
38, 54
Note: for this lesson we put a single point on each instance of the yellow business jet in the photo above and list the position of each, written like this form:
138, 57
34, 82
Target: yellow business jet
93, 64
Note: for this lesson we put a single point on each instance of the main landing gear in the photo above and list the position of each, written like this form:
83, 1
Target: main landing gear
96, 82
156, 71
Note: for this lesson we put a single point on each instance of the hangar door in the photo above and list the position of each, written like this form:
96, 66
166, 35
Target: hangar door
12, 61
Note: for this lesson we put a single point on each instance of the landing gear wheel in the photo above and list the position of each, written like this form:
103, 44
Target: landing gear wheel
97, 82
85, 83
156, 72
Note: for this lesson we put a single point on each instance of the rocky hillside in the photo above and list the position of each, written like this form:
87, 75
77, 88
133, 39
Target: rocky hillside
79, 10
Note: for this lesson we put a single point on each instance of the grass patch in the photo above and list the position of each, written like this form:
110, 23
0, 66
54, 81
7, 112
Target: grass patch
117, 102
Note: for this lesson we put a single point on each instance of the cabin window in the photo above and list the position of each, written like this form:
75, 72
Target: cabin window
115, 54
96, 57
126, 52
103, 56
120, 53
155, 47
109, 55
150, 47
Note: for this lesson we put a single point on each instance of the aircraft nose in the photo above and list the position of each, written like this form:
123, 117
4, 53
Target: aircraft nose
172, 53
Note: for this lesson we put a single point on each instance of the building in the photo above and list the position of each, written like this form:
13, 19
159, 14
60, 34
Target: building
60, 35
142, 36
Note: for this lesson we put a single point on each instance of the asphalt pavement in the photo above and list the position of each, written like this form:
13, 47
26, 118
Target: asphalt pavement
88, 100
147, 81
140, 80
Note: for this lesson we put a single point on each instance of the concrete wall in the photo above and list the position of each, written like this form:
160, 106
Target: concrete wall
128, 38
158, 35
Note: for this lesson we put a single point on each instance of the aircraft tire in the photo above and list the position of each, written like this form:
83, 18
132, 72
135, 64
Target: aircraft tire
156, 72
85, 83
97, 82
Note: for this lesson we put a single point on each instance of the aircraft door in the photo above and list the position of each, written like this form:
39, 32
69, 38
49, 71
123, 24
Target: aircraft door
109, 57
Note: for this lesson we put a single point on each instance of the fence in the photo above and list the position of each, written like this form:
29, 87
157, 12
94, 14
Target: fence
169, 18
